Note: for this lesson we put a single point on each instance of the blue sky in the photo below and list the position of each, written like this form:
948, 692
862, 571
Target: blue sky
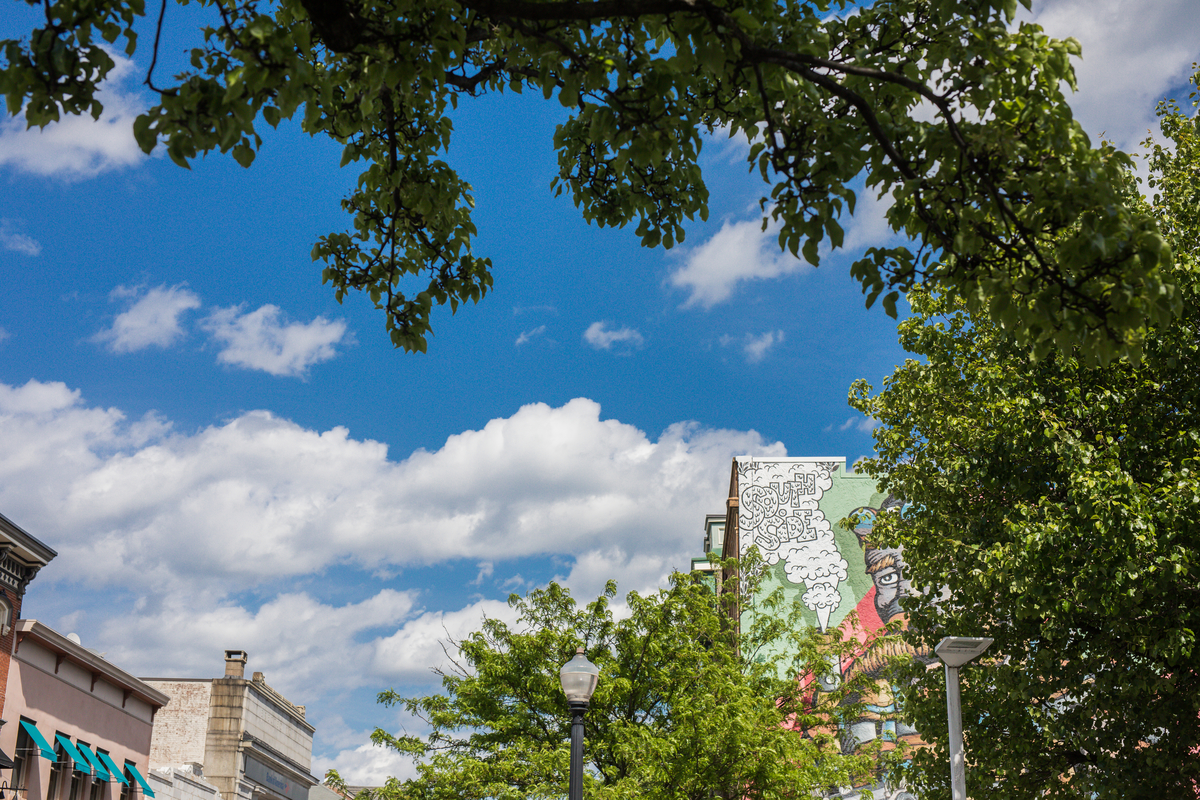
225, 457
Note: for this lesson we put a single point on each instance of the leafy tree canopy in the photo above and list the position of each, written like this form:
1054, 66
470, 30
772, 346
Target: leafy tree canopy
685, 706
1054, 505
955, 119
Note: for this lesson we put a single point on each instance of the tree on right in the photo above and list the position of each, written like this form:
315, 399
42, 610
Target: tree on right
1054, 506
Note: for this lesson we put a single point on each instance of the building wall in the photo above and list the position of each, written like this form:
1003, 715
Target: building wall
789, 508
21, 557
222, 752
67, 703
811, 522
182, 725
278, 723
224, 724
8, 640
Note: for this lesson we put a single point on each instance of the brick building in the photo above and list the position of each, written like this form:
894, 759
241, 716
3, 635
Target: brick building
238, 735
77, 726
21, 556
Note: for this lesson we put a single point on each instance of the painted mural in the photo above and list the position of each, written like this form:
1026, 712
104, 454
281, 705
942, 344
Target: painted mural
789, 508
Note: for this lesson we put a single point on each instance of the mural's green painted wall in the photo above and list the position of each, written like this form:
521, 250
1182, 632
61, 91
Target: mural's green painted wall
780, 519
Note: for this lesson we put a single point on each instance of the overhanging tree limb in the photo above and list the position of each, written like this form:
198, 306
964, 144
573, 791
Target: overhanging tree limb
985, 190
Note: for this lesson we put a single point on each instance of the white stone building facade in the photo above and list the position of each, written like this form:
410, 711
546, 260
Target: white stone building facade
230, 738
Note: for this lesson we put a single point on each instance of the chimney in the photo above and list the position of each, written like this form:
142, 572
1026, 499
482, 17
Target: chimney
235, 663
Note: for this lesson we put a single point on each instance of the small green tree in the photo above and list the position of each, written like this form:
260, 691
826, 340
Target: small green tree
685, 708
1054, 508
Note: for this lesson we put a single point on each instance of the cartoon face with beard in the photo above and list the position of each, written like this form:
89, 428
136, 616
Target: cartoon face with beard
886, 568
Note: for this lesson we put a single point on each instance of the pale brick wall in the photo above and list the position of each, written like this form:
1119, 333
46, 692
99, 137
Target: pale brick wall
180, 727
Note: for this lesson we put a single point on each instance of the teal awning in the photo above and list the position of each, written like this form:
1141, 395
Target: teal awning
113, 769
80, 764
39, 740
138, 777
101, 772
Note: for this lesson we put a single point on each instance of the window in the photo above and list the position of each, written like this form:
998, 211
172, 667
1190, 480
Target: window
5, 616
61, 764
98, 786
76, 784
126, 787
77, 778
26, 753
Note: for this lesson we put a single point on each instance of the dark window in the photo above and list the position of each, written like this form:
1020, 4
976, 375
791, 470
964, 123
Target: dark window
127, 788
26, 753
79, 778
99, 787
60, 767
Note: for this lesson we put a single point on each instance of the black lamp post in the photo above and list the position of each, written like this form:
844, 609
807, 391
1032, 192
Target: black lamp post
578, 678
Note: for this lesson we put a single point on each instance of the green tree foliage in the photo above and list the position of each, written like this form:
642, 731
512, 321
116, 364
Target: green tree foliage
1054, 508
685, 706
954, 118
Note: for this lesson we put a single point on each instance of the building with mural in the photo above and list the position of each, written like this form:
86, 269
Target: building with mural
811, 522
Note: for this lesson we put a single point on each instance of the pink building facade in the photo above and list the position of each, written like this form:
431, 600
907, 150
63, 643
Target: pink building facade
76, 726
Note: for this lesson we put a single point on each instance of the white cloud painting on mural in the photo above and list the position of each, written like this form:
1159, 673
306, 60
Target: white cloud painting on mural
777, 509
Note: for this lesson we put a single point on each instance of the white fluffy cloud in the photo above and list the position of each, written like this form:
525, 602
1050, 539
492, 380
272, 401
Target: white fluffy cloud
198, 532
741, 252
738, 252
413, 651
367, 765
600, 336
1134, 53
260, 498
152, 320
861, 424
78, 147
265, 340
295, 640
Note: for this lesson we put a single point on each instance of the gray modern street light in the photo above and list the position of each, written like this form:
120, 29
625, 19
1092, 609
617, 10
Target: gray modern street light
955, 651
578, 678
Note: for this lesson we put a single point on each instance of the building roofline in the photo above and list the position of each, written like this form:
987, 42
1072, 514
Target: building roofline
287, 706
29, 547
54, 641
795, 459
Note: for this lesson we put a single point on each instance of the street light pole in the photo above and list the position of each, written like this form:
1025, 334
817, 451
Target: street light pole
575, 787
958, 763
578, 678
955, 651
